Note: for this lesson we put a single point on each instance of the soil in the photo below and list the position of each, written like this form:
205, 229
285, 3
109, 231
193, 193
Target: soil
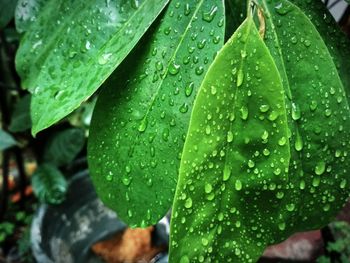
130, 246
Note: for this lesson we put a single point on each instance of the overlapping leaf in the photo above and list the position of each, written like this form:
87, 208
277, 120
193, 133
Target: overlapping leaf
237, 145
73, 46
241, 192
336, 41
142, 115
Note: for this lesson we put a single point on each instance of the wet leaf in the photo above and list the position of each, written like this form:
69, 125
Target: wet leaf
49, 184
335, 39
73, 46
265, 207
27, 12
6, 140
142, 115
64, 146
318, 116
232, 153
20, 119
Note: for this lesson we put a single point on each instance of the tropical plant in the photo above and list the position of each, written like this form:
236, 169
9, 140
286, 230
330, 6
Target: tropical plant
247, 135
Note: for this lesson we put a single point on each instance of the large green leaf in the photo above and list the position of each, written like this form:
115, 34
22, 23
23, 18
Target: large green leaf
319, 114
73, 46
265, 206
237, 145
142, 114
335, 39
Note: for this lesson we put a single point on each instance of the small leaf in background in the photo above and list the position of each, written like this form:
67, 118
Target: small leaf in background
6, 140
64, 146
142, 114
237, 145
73, 46
7, 11
49, 184
20, 119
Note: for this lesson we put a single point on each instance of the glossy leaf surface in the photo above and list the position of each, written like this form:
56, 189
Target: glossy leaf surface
142, 115
268, 206
318, 116
27, 12
336, 41
237, 145
73, 46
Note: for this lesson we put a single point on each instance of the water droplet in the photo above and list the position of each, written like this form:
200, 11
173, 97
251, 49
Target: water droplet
240, 78
296, 112
205, 241
184, 108
282, 141
238, 185
282, 226
143, 125
189, 89
226, 174
316, 181
102, 60
264, 108
298, 143
184, 259
244, 113
188, 202
208, 188
290, 207
343, 183
320, 168
229, 136
251, 164
209, 16
213, 90
174, 68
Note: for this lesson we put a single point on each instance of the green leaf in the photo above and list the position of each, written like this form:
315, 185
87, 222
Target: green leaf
72, 48
142, 114
319, 114
6, 140
49, 184
64, 146
335, 39
7, 11
267, 206
27, 12
238, 129
20, 119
